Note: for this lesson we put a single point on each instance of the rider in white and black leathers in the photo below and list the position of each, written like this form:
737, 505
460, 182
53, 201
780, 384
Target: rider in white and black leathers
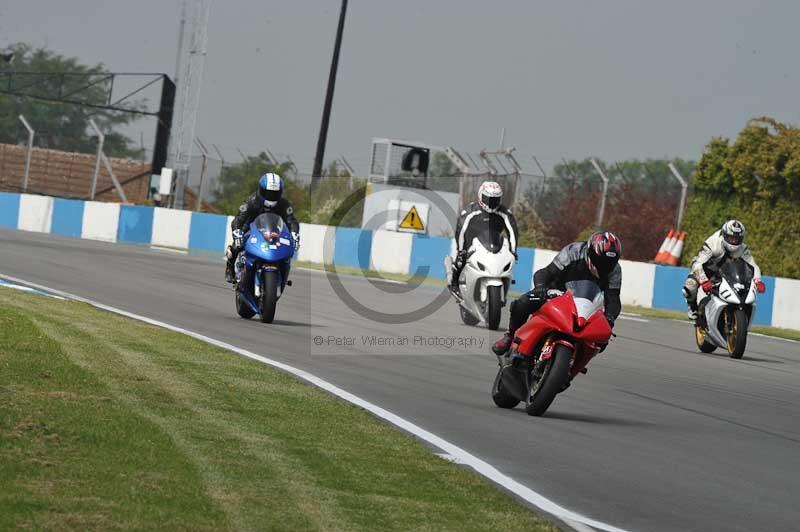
727, 242
268, 198
487, 210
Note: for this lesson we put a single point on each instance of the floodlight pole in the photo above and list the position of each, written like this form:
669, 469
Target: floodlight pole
30, 151
684, 188
326, 111
601, 211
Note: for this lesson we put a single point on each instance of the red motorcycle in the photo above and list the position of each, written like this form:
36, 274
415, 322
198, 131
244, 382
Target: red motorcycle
552, 347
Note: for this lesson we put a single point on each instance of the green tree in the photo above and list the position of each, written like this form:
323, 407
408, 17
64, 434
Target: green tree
62, 126
755, 179
238, 181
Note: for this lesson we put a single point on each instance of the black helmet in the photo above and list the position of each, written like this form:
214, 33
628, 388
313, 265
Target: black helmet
603, 251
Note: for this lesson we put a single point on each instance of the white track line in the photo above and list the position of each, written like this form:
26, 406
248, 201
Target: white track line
579, 522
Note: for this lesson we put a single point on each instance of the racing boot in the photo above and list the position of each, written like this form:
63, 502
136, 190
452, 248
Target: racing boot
692, 312
502, 345
229, 275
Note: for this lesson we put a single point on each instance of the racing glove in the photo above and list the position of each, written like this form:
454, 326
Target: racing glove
539, 292
461, 259
296, 239
760, 286
707, 285
237, 238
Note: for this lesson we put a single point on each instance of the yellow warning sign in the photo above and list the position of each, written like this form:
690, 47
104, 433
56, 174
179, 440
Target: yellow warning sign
412, 220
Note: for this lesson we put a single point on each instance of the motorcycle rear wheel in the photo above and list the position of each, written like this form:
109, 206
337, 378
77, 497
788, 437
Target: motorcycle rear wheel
552, 382
702, 344
493, 307
467, 317
269, 296
737, 333
242, 308
501, 397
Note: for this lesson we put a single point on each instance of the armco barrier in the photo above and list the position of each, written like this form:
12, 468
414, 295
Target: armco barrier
645, 285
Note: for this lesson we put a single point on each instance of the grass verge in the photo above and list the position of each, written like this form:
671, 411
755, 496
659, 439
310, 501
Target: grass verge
107, 422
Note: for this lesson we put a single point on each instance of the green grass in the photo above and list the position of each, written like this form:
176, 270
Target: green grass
109, 423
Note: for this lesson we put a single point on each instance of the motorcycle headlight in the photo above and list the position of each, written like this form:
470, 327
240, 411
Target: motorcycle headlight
481, 266
507, 267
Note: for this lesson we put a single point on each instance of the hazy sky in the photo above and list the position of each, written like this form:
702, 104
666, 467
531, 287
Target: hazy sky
609, 78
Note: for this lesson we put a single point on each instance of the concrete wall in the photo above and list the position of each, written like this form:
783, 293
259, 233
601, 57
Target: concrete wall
645, 285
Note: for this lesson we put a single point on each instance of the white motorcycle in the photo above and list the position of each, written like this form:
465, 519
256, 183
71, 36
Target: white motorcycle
485, 279
724, 315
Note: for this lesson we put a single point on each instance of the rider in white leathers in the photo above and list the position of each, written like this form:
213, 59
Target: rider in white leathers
727, 242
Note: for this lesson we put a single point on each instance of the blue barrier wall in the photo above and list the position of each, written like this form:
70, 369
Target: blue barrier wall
208, 231
67, 217
9, 209
135, 224
427, 254
667, 287
353, 247
523, 270
764, 303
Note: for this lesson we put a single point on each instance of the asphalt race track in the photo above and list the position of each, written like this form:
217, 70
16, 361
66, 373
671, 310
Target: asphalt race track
656, 437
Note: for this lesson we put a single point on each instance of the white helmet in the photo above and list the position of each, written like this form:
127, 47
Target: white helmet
489, 196
733, 237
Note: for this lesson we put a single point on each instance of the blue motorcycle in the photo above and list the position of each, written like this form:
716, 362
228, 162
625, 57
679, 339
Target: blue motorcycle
262, 267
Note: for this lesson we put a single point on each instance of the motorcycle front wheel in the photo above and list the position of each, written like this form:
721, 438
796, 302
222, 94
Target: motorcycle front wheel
737, 331
242, 308
702, 343
269, 296
553, 379
493, 306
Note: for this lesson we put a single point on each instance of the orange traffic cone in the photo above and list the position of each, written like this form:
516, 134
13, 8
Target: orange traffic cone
663, 251
677, 250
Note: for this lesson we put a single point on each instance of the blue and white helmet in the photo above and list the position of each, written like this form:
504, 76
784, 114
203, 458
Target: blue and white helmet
270, 187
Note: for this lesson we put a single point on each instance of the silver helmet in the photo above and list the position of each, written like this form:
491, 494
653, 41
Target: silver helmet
733, 237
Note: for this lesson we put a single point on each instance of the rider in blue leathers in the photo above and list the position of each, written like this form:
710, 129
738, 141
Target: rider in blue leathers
268, 198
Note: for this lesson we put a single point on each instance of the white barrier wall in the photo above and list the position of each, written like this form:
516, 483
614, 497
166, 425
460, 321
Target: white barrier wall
786, 305
638, 279
228, 233
313, 241
391, 251
171, 228
100, 221
35, 213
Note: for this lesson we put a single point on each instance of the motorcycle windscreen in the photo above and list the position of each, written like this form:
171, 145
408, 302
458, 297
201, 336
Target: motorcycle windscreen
739, 275
269, 222
492, 233
587, 295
